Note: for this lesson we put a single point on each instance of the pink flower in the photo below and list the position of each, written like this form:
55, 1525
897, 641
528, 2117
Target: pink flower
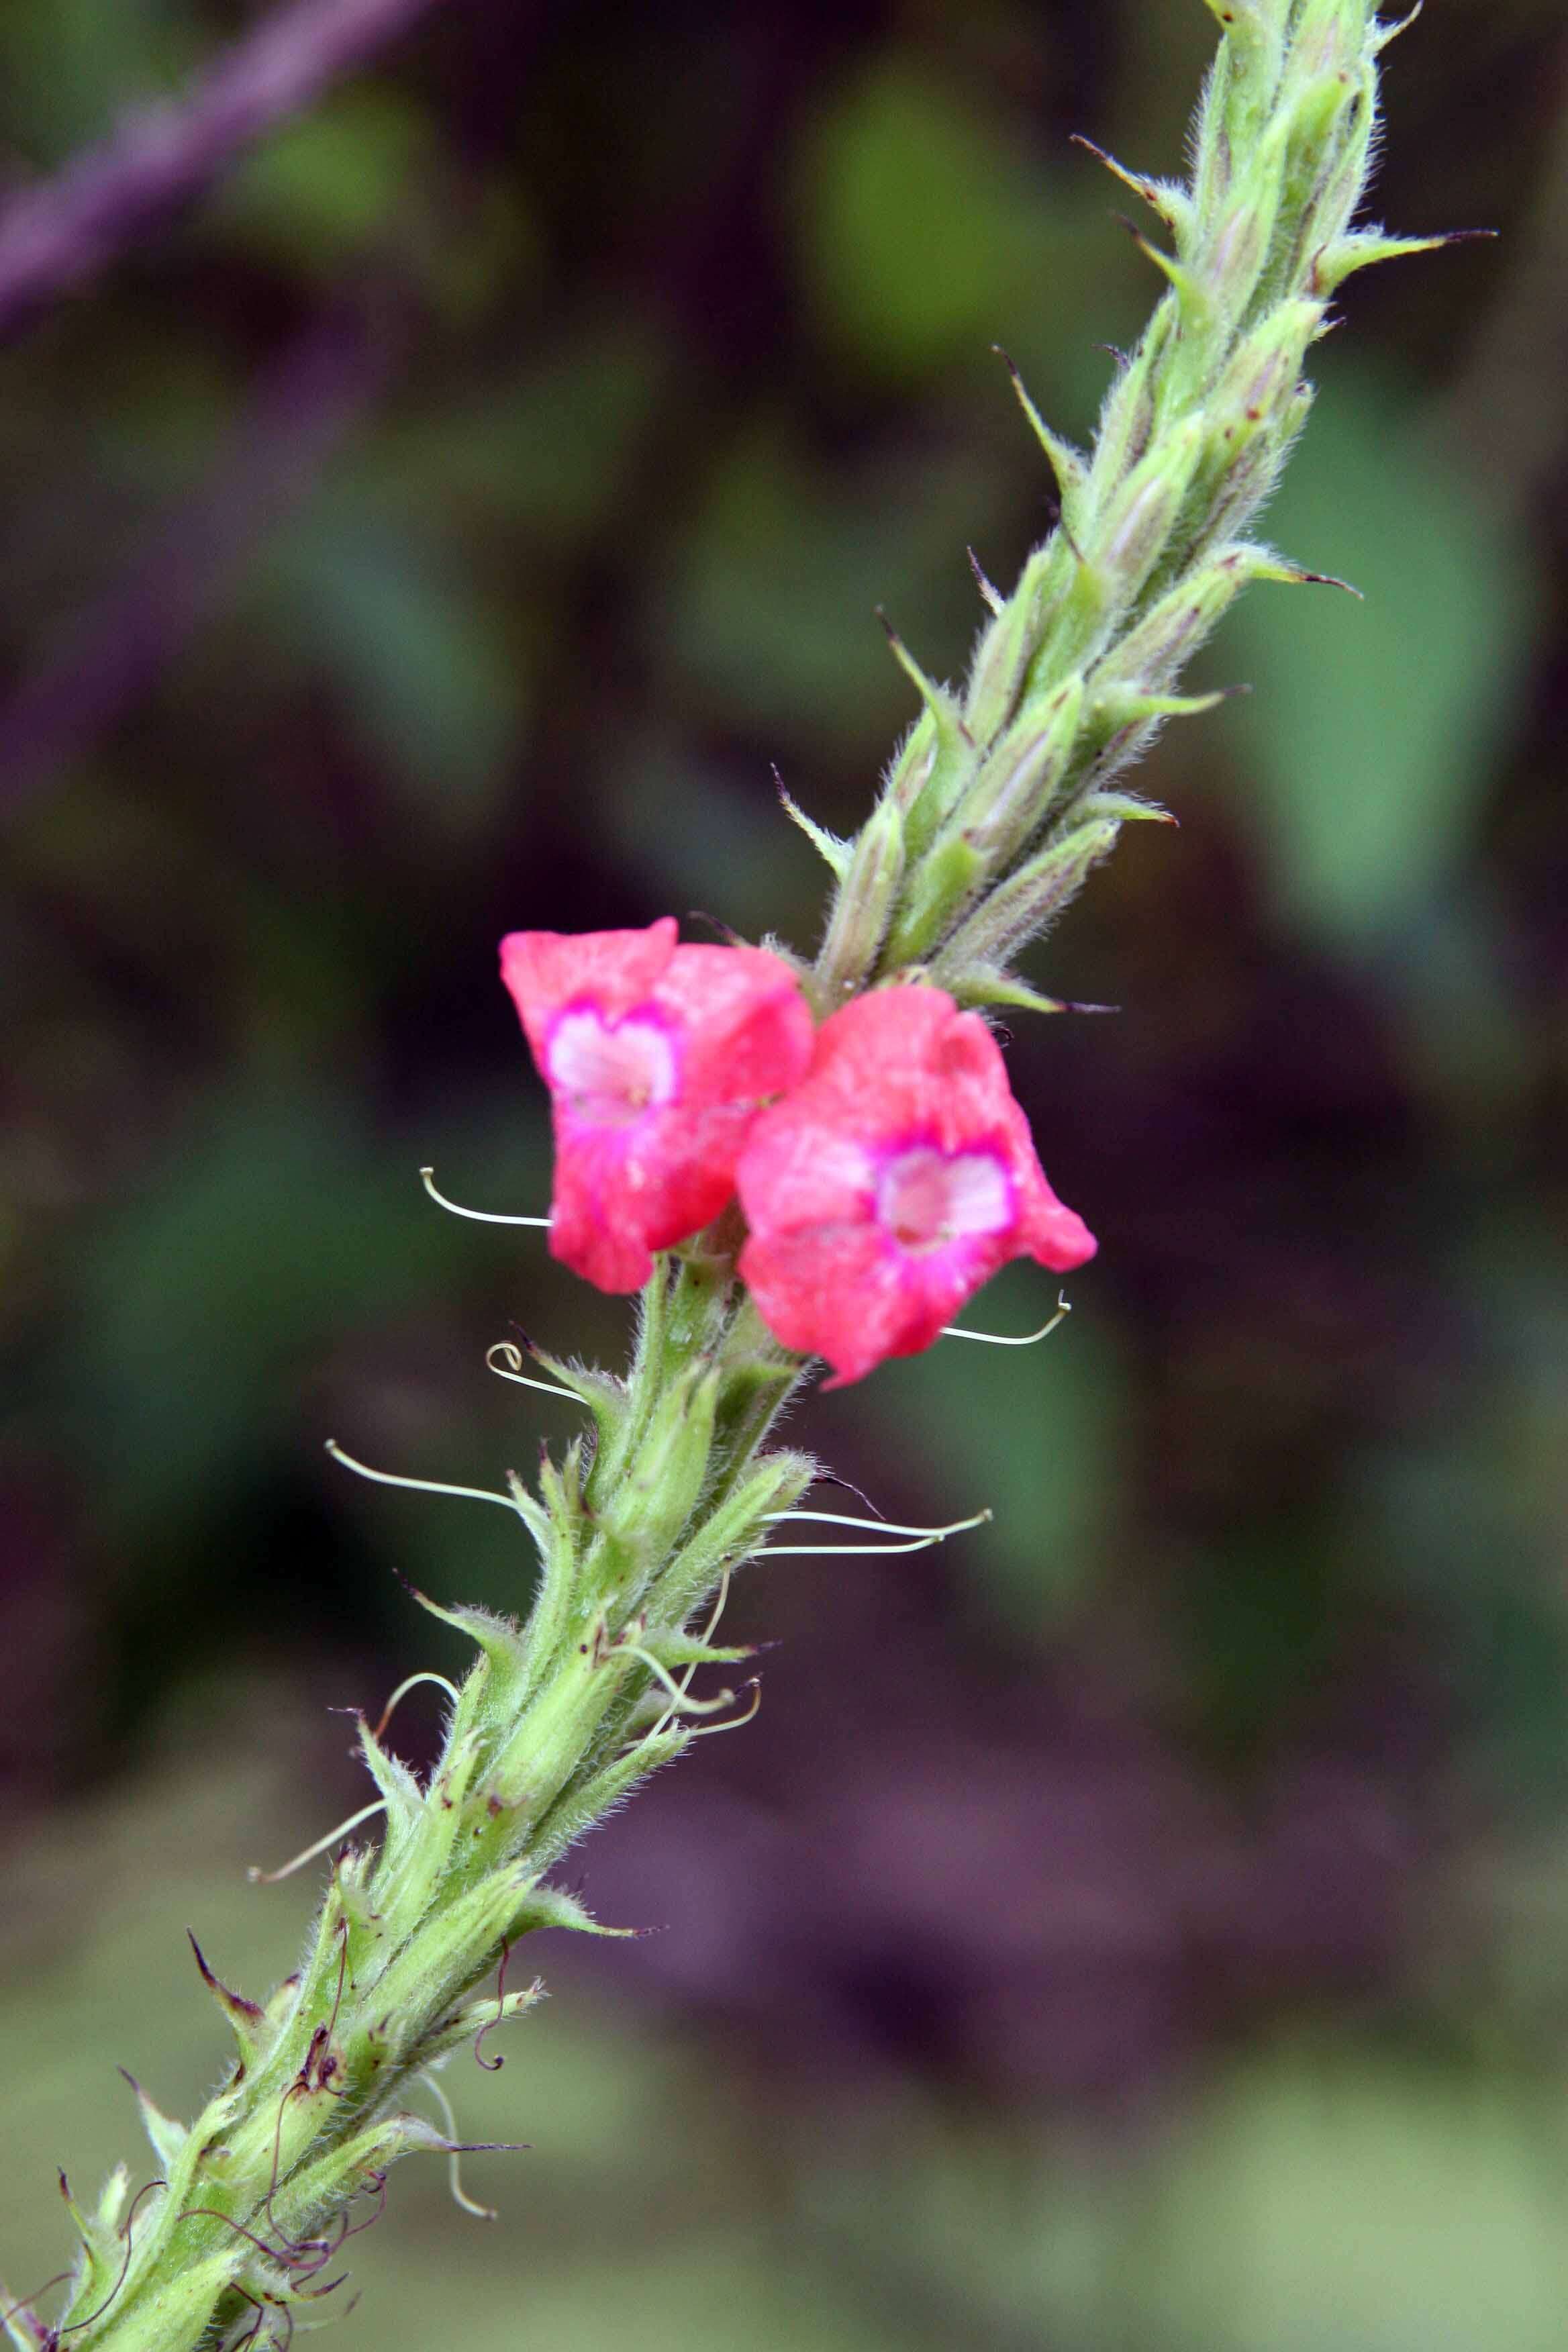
892, 1183
658, 1057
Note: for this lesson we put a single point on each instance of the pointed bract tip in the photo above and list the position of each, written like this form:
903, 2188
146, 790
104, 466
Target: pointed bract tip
1332, 579
1384, 35
991, 596
235, 2002
726, 931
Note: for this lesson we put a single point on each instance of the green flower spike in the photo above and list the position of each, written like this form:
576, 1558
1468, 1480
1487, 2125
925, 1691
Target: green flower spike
1001, 800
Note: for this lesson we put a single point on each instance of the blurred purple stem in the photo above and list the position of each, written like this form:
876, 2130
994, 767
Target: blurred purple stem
56, 234
306, 404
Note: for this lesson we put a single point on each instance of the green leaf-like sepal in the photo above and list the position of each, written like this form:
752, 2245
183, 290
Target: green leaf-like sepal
732, 1531
937, 892
640, 1520
606, 1397
508, 1668
830, 847
483, 2014
102, 2260
581, 1806
1068, 464
167, 2137
1023, 906
926, 786
251, 2025
1165, 198
1127, 808
1125, 706
21, 2321
326, 2185
1262, 563
1365, 248
982, 985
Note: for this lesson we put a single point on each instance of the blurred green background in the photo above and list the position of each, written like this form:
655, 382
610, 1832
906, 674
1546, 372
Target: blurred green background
1144, 1924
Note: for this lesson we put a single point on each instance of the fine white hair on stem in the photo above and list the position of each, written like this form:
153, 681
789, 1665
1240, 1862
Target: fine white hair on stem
922, 1542
1000, 1340
454, 2157
260, 1877
479, 1217
411, 1682
419, 1486
509, 1369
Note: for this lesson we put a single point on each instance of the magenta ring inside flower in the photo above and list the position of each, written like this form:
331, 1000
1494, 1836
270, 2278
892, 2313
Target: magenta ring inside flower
927, 1198
611, 1073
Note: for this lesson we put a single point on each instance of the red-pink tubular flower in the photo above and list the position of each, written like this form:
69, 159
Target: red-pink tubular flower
657, 1058
892, 1183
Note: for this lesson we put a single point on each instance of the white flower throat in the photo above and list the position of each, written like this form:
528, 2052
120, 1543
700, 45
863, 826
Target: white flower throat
612, 1072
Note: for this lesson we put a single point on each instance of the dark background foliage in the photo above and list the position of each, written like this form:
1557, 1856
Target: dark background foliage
1145, 1921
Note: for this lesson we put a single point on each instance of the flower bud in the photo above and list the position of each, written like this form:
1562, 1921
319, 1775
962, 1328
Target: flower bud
1238, 246
1151, 655
940, 887
1026, 903
1007, 646
650, 1503
1135, 528
863, 906
1247, 410
1011, 796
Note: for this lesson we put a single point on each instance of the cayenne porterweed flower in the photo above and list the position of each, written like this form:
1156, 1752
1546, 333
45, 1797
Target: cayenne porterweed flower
658, 1057
886, 1171
894, 1180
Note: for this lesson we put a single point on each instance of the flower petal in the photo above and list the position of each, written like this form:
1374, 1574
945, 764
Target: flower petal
657, 1058
895, 1180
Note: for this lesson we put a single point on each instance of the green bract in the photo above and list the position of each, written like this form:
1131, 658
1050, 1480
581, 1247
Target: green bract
1000, 788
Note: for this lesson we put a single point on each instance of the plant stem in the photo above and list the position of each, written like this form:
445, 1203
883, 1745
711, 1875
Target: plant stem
56, 233
993, 813
553, 1727
999, 802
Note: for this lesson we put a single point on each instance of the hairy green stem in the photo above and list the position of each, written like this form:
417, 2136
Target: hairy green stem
998, 804
1003, 797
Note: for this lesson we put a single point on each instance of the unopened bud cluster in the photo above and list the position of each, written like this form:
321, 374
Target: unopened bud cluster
1002, 798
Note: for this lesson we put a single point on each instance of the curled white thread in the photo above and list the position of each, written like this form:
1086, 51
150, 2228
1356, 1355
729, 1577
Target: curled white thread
510, 1368
479, 1217
736, 1723
419, 1486
410, 1682
922, 1542
679, 1702
453, 2160
260, 1877
705, 1637
999, 1340
872, 1526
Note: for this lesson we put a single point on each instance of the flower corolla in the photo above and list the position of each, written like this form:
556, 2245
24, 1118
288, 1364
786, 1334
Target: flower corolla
658, 1057
893, 1180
